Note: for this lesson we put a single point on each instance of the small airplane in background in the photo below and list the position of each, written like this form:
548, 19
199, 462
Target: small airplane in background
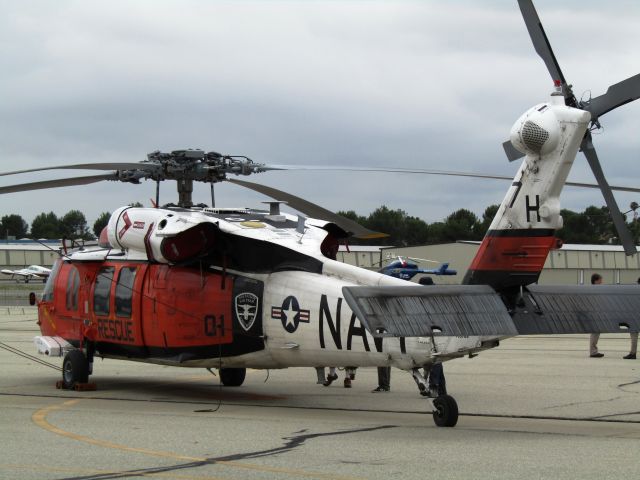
28, 273
402, 268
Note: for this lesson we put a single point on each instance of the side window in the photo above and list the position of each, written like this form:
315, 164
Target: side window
73, 283
124, 291
102, 290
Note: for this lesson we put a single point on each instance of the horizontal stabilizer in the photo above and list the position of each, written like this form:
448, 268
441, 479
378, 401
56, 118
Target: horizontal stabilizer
477, 310
552, 309
420, 311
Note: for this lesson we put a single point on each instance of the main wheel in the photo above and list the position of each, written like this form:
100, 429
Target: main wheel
446, 411
232, 377
75, 369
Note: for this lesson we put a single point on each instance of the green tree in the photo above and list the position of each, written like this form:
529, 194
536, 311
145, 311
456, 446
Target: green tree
594, 225
351, 215
416, 231
487, 217
13, 226
46, 225
601, 224
100, 223
437, 233
634, 228
74, 226
136, 205
462, 225
391, 222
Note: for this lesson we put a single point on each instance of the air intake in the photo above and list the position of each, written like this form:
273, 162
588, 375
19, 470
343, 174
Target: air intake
533, 136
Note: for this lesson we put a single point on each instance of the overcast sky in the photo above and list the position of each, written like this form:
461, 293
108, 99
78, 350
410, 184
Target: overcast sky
409, 84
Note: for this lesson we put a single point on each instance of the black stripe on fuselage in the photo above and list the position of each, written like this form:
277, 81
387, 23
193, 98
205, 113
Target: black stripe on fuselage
175, 354
522, 232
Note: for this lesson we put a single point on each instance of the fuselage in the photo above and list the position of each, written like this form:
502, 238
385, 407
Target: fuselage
215, 311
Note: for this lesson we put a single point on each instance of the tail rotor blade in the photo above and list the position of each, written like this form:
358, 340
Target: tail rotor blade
618, 220
618, 94
543, 48
512, 152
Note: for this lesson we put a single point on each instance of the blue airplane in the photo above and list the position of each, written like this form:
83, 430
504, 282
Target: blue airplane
407, 270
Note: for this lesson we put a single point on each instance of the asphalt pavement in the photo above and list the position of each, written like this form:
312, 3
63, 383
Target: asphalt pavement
535, 407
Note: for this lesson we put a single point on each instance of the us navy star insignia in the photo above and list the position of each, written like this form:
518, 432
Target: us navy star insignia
290, 314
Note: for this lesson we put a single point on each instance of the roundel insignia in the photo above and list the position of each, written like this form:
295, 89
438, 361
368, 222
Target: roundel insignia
246, 306
290, 314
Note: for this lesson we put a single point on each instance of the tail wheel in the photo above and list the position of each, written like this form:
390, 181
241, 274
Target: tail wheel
232, 377
446, 411
75, 369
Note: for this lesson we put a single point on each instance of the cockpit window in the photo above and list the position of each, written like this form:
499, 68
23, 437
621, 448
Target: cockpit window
73, 284
47, 294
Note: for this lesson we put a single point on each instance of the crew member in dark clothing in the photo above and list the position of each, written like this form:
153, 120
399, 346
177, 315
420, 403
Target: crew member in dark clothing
384, 380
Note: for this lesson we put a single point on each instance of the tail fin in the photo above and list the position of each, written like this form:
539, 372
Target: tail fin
518, 241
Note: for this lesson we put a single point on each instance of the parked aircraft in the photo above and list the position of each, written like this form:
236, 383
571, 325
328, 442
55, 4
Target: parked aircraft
29, 273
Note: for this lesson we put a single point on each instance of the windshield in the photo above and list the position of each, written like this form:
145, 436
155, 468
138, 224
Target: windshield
47, 295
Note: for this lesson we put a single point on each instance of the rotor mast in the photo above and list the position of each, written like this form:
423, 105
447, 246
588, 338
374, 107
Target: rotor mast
185, 192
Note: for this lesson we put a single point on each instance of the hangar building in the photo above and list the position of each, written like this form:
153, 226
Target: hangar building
569, 265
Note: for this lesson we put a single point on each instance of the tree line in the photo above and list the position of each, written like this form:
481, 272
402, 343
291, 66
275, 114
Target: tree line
593, 225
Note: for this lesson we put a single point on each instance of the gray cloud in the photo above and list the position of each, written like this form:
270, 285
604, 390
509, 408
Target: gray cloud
408, 84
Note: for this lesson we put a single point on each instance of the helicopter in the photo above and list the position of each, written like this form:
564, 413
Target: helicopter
405, 269
234, 288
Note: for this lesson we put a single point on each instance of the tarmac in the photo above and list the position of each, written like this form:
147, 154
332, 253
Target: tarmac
535, 407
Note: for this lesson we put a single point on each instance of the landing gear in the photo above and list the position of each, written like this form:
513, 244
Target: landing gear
435, 385
75, 369
445, 413
445, 408
232, 377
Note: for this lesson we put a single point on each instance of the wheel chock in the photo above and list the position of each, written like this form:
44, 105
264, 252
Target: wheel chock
85, 387
78, 387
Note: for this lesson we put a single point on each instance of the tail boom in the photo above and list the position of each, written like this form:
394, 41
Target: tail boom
515, 248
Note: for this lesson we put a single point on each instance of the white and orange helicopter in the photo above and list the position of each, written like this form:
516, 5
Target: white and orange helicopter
203, 287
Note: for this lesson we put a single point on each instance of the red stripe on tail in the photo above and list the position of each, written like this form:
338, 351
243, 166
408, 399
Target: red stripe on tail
508, 258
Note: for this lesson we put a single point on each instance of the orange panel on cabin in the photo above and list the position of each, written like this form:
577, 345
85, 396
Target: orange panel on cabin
62, 317
189, 308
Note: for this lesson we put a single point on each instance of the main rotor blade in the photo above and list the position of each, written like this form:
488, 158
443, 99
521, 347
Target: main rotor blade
618, 94
83, 166
313, 210
618, 220
333, 168
489, 176
543, 47
63, 182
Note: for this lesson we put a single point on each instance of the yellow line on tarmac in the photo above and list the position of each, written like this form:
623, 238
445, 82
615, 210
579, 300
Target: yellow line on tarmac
40, 418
